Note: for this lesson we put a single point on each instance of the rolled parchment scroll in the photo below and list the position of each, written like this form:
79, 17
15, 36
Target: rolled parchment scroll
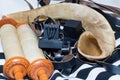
16, 65
40, 68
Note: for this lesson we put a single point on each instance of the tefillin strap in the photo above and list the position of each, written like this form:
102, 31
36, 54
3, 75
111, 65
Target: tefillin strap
43, 2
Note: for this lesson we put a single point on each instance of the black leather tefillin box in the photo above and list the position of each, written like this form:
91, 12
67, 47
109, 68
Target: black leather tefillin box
58, 39
59, 36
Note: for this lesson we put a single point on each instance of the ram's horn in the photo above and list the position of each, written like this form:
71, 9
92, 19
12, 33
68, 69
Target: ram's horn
97, 42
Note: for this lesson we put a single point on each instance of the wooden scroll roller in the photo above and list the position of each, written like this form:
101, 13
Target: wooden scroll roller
16, 65
40, 68
96, 43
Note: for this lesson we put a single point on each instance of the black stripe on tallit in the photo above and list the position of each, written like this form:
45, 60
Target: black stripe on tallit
104, 76
84, 73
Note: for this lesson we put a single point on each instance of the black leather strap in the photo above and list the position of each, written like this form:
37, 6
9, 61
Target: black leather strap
65, 67
43, 2
109, 67
30, 6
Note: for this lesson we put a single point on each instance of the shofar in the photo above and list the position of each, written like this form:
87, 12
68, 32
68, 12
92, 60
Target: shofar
97, 42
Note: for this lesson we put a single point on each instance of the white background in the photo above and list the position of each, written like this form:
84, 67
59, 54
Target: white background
11, 6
